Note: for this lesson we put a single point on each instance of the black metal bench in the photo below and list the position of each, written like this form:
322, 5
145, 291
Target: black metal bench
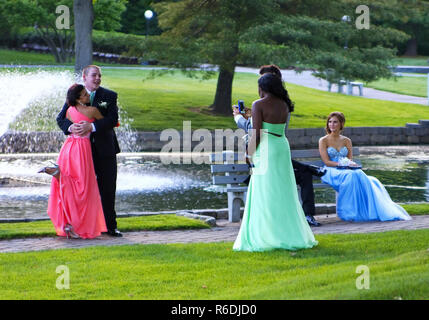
229, 171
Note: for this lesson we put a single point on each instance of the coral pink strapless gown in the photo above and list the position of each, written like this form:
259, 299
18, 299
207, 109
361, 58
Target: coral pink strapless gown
75, 198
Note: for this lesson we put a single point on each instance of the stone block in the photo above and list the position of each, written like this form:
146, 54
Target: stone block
424, 123
412, 125
379, 139
410, 131
422, 131
413, 139
360, 139
318, 132
294, 133
304, 141
424, 139
354, 131
395, 139
385, 130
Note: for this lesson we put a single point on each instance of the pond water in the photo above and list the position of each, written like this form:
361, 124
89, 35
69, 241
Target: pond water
145, 184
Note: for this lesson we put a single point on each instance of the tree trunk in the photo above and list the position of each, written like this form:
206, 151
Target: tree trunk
222, 102
83, 19
411, 48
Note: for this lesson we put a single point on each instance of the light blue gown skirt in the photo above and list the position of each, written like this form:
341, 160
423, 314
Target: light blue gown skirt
360, 197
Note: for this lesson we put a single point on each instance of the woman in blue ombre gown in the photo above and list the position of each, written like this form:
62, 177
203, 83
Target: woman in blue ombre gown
360, 197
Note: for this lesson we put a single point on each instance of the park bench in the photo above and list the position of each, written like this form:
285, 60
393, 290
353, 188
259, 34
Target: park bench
229, 171
354, 84
349, 84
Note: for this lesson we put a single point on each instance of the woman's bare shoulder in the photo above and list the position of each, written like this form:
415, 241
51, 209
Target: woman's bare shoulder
323, 139
346, 140
257, 103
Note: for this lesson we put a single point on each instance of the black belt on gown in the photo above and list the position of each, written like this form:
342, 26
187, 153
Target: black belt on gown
275, 134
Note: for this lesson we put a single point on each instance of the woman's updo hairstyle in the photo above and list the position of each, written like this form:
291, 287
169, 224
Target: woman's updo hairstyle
274, 85
73, 94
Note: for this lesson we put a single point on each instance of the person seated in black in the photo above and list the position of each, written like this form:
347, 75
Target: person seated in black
303, 172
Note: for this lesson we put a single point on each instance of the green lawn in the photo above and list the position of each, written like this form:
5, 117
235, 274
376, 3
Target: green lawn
412, 61
153, 222
167, 101
414, 86
34, 58
397, 262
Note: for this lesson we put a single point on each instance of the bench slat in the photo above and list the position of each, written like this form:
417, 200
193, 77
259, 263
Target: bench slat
232, 179
227, 155
219, 168
236, 189
302, 154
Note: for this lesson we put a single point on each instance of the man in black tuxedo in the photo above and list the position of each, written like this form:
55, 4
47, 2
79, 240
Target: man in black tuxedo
303, 172
104, 143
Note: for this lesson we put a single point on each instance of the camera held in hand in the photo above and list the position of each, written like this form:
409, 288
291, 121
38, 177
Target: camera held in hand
241, 107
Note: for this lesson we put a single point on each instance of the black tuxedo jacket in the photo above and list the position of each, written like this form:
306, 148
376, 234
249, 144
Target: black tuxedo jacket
103, 141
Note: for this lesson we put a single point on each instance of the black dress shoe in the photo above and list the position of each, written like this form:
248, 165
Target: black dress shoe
114, 233
316, 171
312, 222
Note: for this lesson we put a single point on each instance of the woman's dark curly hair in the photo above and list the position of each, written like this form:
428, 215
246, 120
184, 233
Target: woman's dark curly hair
274, 85
73, 94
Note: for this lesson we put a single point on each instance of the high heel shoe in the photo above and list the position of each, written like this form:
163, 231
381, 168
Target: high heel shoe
68, 229
53, 171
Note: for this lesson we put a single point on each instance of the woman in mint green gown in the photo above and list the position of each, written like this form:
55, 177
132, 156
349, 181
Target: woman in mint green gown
273, 217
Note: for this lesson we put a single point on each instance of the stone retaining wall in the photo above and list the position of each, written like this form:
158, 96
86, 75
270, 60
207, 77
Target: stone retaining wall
41, 142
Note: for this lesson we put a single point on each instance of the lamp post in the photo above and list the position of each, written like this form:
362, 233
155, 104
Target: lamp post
148, 14
346, 19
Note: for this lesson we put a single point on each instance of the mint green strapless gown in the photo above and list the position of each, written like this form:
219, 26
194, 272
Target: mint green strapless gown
273, 217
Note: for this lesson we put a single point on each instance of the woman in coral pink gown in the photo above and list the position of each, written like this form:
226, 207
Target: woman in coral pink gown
74, 202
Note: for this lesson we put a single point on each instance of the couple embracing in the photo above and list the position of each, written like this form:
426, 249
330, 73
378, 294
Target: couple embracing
82, 198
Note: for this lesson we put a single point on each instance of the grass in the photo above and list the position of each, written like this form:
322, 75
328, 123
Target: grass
412, 61
17, 57
397, 263
153, 222
167, 101
417, 209
413, 86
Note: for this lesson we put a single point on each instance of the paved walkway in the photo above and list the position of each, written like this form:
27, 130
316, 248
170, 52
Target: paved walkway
224, 231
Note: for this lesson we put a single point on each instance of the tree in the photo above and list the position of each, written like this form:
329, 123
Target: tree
199, 31
43, 16
410, 17
255, 32
108, 14
84, 16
